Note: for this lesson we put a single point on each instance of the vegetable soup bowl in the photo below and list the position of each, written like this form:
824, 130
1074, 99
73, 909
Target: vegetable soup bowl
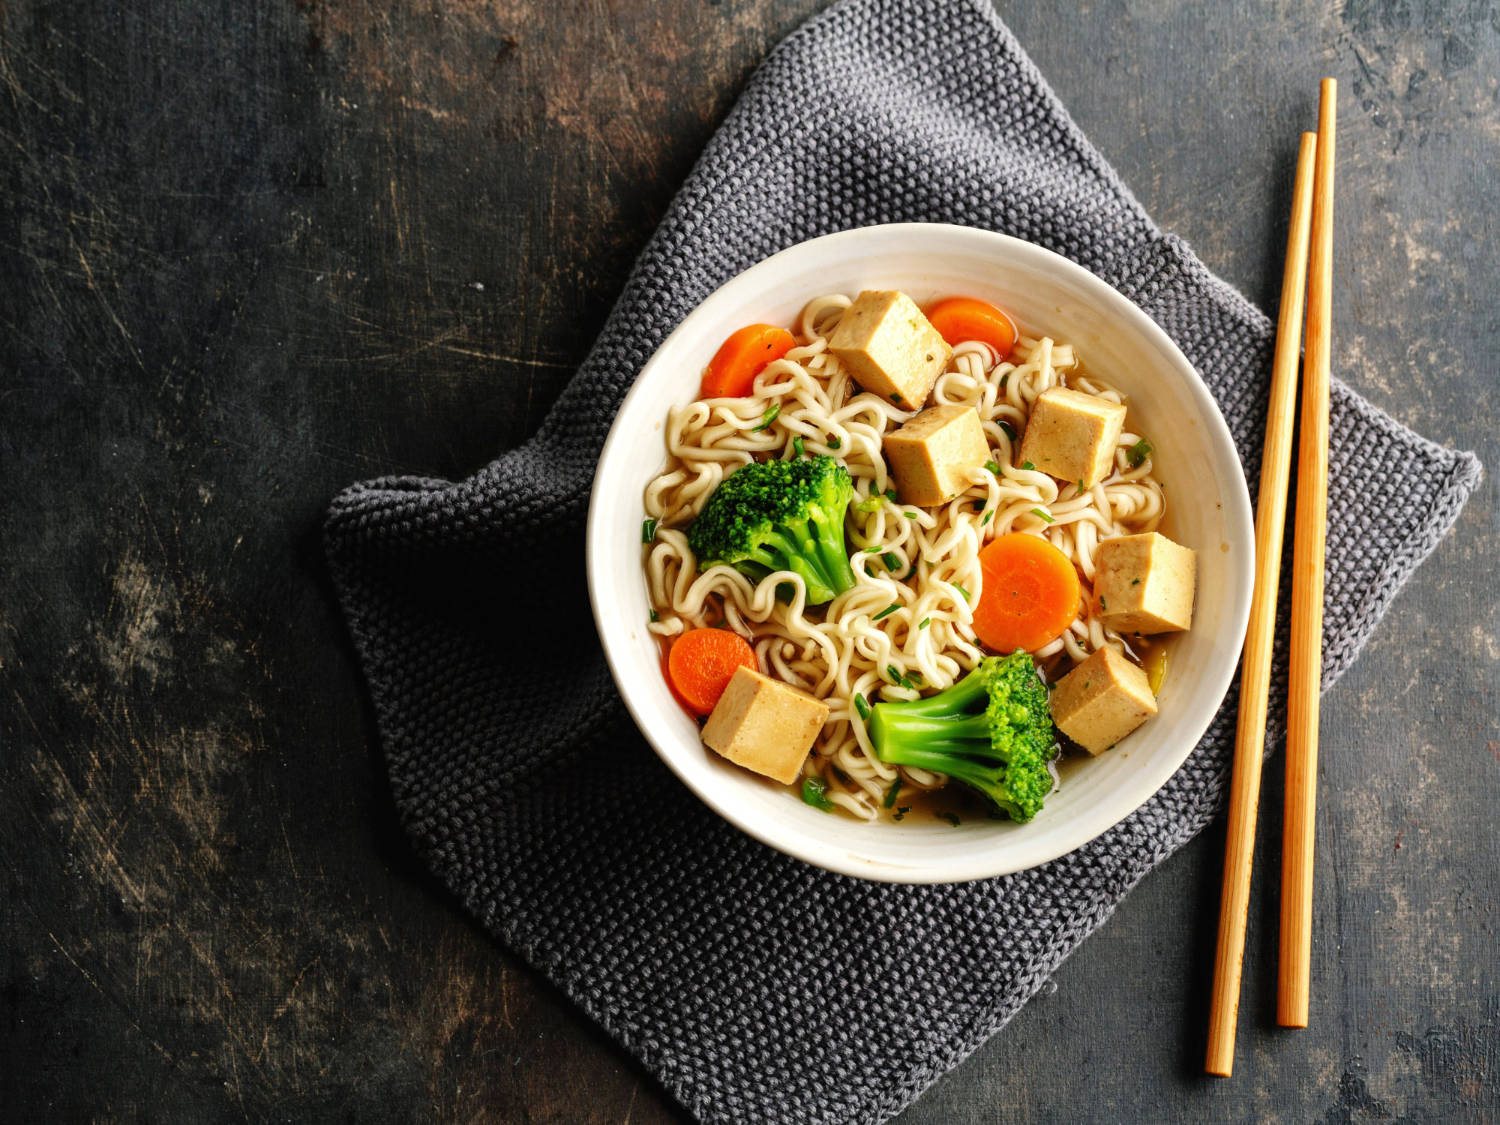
1208, 509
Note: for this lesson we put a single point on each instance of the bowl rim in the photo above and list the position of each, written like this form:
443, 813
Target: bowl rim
1236, 509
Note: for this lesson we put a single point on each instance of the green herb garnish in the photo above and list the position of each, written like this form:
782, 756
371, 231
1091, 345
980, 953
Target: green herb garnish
892, 560
901, 681
987, 517
926, 621
993, 467
798, 447
1010, 431
815, 793
862, 707
890, 494
771, 414
968, 597
1028, 466
1042, 514
835, 443
951, 818
887, 611
1138, 452
655, 617
890, 794
648, 531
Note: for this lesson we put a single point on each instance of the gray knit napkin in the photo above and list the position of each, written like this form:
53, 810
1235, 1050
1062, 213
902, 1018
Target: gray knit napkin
757, 988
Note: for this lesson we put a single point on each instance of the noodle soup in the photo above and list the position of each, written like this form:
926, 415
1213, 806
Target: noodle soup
909, 625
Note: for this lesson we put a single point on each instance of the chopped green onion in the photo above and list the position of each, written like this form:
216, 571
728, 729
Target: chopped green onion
1010, 431
1103, 605
896, 397
1004, 379
951, 818
1135, 581
648, 531
910, 515
993, 467
655, 617
768, 417
835, 443
1028, 466
815, 793
890, 794
892, 560
968, 597
926, 621
890, 494
887, 611
1138, 452
987, 517
897, 678
862, 707
798, 447
1044, 515
1080, 486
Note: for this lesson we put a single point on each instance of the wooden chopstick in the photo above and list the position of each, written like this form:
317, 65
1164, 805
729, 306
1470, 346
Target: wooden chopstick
1255, 671
1306, 672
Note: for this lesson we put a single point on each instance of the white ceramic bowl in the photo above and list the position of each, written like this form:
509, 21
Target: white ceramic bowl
1208, 505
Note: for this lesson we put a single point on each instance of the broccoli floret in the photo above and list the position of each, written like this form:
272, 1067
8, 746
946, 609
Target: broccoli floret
780, 515
992, 730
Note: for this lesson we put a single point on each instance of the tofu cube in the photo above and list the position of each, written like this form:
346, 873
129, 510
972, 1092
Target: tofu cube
889, 348
933, 453
764, 725
1072, 436
1101, 701
1144, 584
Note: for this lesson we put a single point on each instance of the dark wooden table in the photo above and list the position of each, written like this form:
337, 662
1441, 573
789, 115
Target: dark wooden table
253, 252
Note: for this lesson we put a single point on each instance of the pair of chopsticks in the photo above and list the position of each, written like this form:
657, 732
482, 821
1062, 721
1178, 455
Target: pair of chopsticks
1312, 225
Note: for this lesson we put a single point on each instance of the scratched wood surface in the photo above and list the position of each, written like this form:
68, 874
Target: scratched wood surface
253, 252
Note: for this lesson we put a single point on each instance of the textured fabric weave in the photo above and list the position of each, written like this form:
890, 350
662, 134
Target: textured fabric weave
513, 766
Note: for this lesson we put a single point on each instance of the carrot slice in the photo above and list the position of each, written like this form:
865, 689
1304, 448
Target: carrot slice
1030, 593
732, 371
701, 663
958, 319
